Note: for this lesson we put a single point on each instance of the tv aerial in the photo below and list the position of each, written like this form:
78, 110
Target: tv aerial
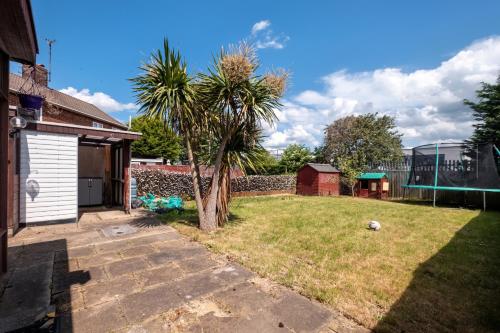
49, 43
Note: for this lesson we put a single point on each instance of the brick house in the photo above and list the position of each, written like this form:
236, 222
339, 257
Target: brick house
70, 155
318, 179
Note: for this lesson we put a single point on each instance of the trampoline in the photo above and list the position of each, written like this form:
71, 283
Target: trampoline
455, 167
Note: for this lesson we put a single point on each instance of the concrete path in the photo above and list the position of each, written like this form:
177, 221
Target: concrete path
137, 275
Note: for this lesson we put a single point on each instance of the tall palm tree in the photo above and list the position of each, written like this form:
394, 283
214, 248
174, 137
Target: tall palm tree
238, 99
165, 90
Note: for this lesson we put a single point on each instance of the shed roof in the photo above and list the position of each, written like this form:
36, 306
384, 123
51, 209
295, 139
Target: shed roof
372, 175
323, 167
66, 101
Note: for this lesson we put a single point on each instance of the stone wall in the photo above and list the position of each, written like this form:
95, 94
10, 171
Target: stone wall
204, 170
163, 183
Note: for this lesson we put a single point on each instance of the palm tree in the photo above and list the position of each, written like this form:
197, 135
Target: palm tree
238, 101
243, 150
226, 105
165, 90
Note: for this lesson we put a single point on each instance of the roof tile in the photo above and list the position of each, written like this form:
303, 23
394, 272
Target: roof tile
323, 167
66, 101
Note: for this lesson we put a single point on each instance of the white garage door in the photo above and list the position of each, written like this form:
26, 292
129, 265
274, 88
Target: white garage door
48, 177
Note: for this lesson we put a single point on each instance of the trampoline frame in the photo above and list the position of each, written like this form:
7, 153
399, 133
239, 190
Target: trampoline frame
450, 188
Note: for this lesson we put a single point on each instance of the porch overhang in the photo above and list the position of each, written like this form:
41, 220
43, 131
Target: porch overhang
18, 36
85, 133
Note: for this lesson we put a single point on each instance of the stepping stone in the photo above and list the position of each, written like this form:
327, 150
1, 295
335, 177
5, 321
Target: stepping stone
299, 313
175, 254
255, 300
126, 266
163, 274
210, 281
197, 264
108, 290
106, 317
142, 305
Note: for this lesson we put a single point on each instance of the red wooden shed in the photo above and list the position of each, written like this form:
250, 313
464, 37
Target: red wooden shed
318, 179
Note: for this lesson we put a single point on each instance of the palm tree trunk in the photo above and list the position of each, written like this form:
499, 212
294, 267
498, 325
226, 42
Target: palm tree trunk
195, 174
224, 198
210, 221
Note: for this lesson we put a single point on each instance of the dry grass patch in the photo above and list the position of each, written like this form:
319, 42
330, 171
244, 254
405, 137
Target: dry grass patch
428, 269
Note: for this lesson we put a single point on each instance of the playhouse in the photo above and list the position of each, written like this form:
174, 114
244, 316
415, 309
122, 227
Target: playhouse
372, 185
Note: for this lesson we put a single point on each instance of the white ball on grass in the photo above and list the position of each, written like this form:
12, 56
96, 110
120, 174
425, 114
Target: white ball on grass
374, 225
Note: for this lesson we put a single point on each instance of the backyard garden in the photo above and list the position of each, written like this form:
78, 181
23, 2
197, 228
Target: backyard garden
427, 269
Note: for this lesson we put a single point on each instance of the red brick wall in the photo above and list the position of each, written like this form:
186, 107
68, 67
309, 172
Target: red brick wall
56, 114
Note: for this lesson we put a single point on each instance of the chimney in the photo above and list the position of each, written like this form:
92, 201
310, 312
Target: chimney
38, 73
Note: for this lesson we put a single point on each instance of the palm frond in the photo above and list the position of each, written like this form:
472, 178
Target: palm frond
164, 88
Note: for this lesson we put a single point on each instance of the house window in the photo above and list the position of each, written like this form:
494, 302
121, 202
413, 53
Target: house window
96, 124
364, 184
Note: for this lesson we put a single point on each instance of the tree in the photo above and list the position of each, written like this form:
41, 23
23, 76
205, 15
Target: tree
244, 151
165, 91
319, 155
365, 140
237, 100
157, 140
353, 143
486, 114
269, 165
351, 170
294, 157
229, 102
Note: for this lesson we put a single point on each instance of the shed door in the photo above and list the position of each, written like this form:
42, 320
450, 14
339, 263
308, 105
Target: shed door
48, 177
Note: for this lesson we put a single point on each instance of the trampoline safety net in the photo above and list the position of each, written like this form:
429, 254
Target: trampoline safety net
456, 166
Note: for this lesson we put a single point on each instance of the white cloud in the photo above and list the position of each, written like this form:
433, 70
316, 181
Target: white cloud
101, 100
261, 25
427, 103
271, 41
265, 38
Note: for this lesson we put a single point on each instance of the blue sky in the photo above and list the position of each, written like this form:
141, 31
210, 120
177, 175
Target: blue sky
414, 60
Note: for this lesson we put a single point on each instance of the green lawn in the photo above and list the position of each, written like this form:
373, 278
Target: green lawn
428, 269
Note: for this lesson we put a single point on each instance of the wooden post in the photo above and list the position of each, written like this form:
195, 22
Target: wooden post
484, 201
4, 165
126, 175
10, 182
108, 184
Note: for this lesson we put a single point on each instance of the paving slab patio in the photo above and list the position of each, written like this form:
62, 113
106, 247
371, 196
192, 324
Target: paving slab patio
149, 280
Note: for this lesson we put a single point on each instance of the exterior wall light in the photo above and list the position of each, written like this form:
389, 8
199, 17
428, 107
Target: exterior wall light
17, 123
